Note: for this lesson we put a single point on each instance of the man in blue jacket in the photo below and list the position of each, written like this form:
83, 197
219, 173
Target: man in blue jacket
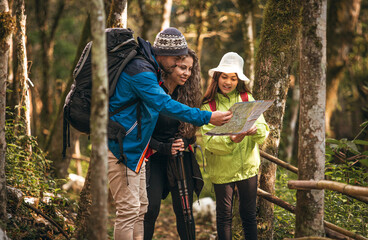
140, 80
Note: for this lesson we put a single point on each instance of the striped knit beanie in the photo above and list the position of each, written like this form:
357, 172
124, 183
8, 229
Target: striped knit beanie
170, 42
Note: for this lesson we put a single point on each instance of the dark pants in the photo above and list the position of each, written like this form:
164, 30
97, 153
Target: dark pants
157, 185
247, 191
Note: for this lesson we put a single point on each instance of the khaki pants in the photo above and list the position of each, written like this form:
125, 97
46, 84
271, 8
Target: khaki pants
130, 200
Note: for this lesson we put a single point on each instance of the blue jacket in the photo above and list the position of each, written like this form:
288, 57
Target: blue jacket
140, 80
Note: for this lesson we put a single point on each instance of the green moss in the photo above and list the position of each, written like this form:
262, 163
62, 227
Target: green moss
7, 24
281, 21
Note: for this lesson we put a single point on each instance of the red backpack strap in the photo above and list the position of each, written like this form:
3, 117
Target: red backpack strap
244, 96
212, 104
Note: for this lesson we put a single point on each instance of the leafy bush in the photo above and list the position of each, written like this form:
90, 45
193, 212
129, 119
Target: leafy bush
26, 164
27, 170
347, 162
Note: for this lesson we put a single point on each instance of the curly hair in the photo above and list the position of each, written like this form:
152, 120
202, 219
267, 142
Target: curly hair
190, 94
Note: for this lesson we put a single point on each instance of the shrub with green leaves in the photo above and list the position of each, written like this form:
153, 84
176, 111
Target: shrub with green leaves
26, 164
347, 162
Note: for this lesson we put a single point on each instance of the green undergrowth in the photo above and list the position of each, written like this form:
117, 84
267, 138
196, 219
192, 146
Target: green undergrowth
27, 170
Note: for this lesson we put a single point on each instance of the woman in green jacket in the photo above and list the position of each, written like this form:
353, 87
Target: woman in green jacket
233, 160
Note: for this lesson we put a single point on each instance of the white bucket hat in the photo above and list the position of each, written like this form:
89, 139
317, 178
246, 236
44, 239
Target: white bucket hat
231, 62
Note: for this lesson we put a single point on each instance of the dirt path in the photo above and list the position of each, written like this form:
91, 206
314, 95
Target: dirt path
166, 226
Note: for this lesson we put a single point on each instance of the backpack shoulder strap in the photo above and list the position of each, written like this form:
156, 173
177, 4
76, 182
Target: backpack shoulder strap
112, 86
212, 104
244, 96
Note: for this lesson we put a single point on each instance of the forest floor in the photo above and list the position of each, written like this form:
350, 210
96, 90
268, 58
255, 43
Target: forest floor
166, 225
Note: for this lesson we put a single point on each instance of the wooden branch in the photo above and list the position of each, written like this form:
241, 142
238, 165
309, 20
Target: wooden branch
287, 206
279, 162
344, 231
48, 218
334, 235
269, 197
330, 185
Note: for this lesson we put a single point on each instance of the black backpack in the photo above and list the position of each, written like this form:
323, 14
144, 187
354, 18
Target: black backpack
121, 48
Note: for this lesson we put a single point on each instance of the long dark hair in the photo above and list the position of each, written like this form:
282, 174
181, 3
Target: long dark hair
190, 94
213, 88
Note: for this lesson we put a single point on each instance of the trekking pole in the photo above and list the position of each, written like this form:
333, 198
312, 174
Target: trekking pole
185, 199
183, 191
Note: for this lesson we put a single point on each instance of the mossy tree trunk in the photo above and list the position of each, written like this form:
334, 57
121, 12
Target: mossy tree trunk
342, 21
6, 28
311, 154
273, 62
21, 73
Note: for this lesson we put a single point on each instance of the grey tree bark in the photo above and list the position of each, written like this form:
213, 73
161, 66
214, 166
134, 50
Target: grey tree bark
99, 115
6, 29
274, 58
86, 199
311, 154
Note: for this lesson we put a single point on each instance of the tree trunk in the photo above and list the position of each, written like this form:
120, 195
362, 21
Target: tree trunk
99, 115
84, 210
6, 29
311, 154
274, 59
146, 19
118, 14
47, 35
292, 133
85, 201
246, 9
199, 12
21, 75
166, 14
342, 21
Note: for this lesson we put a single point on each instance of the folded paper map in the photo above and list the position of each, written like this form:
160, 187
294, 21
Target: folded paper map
245, 115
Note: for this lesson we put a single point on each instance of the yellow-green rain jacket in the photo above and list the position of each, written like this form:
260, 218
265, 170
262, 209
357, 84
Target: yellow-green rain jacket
228, 161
